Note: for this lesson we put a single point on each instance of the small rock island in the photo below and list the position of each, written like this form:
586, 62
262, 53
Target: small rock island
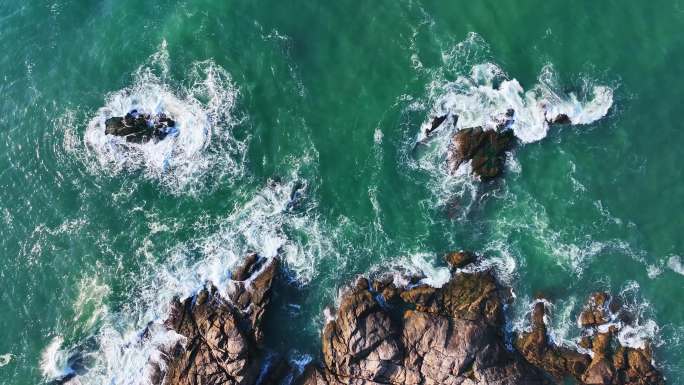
140, 127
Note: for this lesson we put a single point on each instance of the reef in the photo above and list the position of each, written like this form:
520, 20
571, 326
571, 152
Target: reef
140, 127
385, 334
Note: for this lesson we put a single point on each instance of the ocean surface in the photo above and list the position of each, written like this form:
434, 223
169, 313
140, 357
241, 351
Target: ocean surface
299, 123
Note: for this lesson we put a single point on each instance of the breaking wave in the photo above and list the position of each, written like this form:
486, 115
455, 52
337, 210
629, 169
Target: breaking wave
481, 98
202, 110
675, 264
471, 90
5, 359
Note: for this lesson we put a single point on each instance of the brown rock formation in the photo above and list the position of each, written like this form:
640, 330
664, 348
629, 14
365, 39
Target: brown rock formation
222, 336
383, 334
610, 363
140, 127
460, 259
558, 361
485, 148
450, 335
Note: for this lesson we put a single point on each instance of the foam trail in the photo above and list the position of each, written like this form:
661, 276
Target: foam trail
89, 306
483, 97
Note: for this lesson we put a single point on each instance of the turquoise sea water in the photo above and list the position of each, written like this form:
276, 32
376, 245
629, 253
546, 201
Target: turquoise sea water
327, 99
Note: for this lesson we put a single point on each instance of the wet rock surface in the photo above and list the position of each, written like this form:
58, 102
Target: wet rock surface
222, 334
448, 335
138, 127
609, 361
384, 334
484, 148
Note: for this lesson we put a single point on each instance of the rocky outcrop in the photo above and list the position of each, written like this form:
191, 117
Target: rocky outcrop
222, 335
536, 347
138, 127
384, 334
609, 363
438, 122
448, 335
485, 149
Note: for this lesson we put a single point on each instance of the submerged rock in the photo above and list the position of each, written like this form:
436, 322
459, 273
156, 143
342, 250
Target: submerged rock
138, 127
384, 334
486, 149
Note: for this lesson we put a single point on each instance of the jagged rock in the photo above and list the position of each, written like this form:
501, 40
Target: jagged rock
460, 259
362, 341
221, 336
244, 271
473, 296
138, 127
437, 122
452, 335
555, 360
251, 294
607, 366
596, 312
485, 148
561, 119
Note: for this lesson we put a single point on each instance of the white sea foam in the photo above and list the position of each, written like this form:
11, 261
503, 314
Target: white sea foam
5, 359
675, 263
637, 333
377, 136
53, 360
419, 265
274, 222
471, 91
434, 276
483, 97
643, 329
202, 111
89, 307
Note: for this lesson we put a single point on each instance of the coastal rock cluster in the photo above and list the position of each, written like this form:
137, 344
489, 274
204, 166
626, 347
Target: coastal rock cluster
484, 147
140, 127
223, 336
385, 334
609, 361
